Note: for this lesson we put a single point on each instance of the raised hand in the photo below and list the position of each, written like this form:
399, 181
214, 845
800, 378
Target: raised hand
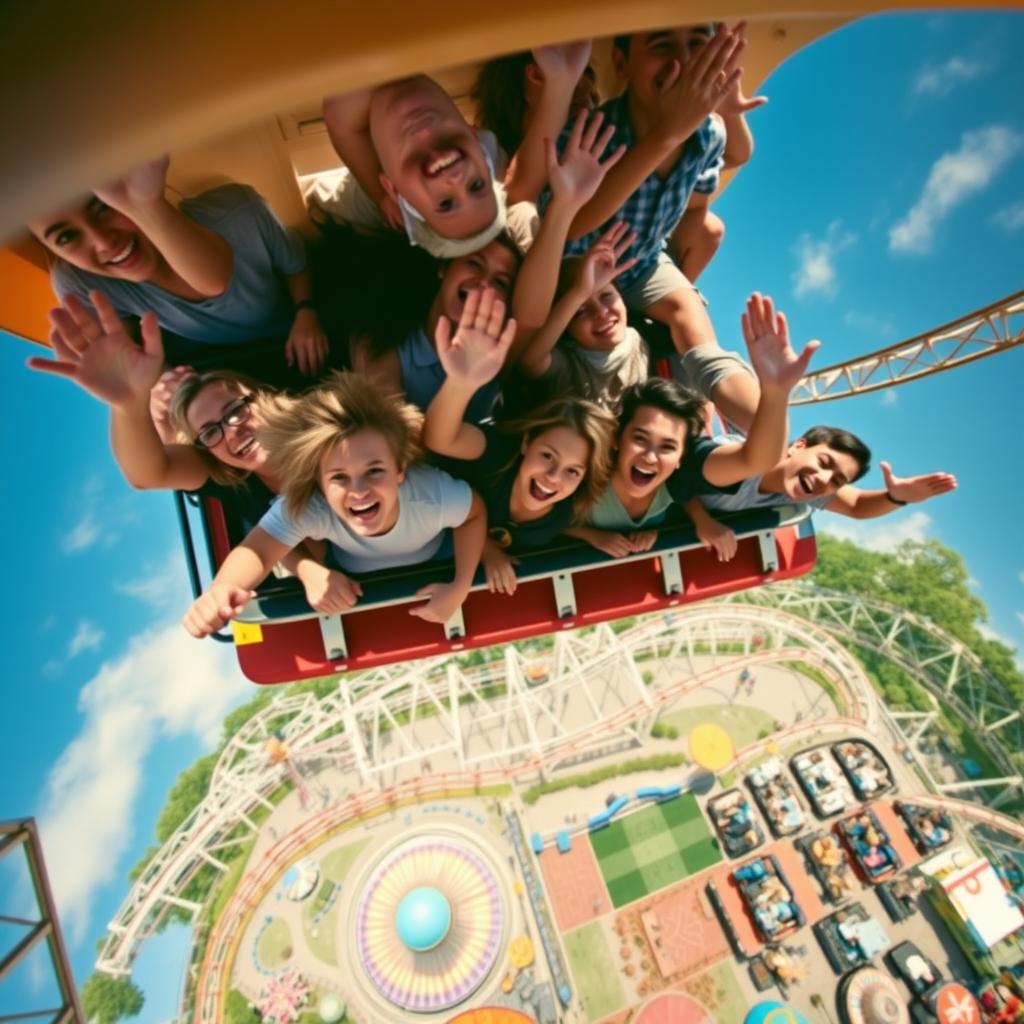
160, 397
306, 347
601, 264
912, 489
97, 353
566, 61
771, 354
140, 186
214, 608
693, 90
736, 102
476, 354
575, 176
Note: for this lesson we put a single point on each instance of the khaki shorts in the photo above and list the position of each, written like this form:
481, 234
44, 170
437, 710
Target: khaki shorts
662, 279
704, 367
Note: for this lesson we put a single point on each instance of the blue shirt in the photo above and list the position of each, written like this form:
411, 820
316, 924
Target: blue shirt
654, 209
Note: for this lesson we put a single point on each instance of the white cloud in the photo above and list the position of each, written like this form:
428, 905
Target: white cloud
884, 534
87, 638
953, 178
942, 79
1010, 218
890, 397
83, 534
160, 587
816, 271
164, 685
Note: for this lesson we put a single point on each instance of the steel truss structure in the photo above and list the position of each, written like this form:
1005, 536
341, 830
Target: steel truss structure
492, 723
985, 332
931, 656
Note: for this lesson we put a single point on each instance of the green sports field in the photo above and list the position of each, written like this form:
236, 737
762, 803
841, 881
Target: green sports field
650, 849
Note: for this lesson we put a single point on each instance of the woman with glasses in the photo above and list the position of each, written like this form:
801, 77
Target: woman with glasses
213, 412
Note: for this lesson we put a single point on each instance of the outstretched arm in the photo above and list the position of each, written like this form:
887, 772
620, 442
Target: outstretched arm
739, 140
468, 540
472, 358
711, 533
245, 568
899, 491
778, 370
97, 353
199, 256
574, 177
687, 96
561, 68
598, 268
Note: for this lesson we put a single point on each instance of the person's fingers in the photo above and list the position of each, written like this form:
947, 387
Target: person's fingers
470, 307
108, 319
507, 336
497, 318
81, 315
57, 367
603, 141
486, 307
61, 350
576, 132
443, 333
747, 328
289, 352
674, 71
887, 474
621, 268
550, 155
153, 345
592, 130
70, 333
804, 359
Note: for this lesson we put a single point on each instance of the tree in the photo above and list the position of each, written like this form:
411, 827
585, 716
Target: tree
106, 1000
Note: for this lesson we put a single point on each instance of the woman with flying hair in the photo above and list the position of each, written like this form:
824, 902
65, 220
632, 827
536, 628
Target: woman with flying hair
345, 454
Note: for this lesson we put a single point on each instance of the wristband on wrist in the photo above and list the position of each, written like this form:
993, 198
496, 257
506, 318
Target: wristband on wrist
305, 304
895, 501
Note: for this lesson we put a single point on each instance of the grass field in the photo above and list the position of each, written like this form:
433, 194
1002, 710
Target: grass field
743, 724
594, 970
653, 848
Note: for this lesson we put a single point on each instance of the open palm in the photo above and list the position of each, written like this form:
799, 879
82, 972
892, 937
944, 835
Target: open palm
476, 353
566, 60
98, 354
603, 261
766, 334
142, 184
579, 171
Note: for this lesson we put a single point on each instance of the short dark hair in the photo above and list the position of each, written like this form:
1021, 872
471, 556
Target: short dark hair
669, 396
621, 43
842, 441
500, 97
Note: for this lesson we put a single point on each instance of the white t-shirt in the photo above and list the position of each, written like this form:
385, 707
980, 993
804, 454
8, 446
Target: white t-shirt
429, 501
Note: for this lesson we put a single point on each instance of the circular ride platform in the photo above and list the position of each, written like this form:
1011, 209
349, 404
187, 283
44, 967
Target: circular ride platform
711, 747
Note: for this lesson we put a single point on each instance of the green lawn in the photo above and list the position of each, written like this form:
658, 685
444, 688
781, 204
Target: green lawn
741, 723
729, 1003
594, 970
274, 947
653, 848
335, 865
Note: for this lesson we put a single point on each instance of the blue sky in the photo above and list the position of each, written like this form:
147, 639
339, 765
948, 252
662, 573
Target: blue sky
885, 197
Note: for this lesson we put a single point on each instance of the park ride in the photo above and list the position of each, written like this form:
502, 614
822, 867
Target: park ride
253, 116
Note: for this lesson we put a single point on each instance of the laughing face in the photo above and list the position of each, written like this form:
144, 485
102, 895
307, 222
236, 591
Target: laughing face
431, 157
816, 471
553, 467
650, 450
651, 56
359, 477
219, 404
494, 266
600, 323
99, 240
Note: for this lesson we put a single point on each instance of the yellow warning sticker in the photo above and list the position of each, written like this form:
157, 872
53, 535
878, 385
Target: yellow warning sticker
247, 633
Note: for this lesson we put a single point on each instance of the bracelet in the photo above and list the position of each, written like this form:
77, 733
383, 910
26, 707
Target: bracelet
305, 304
895, 501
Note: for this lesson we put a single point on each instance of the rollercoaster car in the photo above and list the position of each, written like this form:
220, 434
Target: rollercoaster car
829, 864
769, 898
850, 937
869, 845
776, 797
822, 780
930, 828
736, 823
865, 767
914, 969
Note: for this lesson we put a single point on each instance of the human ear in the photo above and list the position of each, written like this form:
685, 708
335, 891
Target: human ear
389, 186
534, 75
402, 467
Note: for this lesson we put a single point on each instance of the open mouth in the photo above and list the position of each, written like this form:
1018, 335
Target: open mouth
805, 484
124, 255
641, 477
443, 162
539, 493
246, 448
365, 512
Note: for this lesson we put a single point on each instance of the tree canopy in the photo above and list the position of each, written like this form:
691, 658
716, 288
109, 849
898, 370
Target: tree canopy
106, 1000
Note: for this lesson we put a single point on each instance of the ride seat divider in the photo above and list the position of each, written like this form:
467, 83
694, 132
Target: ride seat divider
332, 629
769, 550
565, 595
672, 573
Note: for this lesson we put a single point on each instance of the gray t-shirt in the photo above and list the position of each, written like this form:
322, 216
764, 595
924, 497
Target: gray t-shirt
429, 501
256, 304
748, 493
599, 376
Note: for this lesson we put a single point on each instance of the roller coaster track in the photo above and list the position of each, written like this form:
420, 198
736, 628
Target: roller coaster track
985, 332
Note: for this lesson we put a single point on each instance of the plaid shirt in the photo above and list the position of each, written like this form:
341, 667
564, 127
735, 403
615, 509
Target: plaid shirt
654, 209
